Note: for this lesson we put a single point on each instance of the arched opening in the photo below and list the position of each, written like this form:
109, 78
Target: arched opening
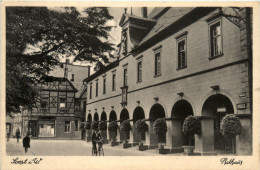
112, 116
96, 117
103, 116
156, 112
124, 115
181, 109
89, 117
137, 115
218, 106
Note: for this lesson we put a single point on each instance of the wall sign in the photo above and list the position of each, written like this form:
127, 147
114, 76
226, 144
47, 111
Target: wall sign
241, 106
124, 95
221, 109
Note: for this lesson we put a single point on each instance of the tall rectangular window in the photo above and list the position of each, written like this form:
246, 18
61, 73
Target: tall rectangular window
67, 126
96, 87
139, 71
157, 68
104, 85
62, 103
215, 39
44, 102
125, 76
182, 54
90, 91
113, 81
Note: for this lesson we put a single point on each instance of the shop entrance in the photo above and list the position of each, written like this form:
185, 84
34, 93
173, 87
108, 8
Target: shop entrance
32, 128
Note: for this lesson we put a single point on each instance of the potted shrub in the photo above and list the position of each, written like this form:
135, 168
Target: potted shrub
112, 128
87, 127
103, 127
160, 128
94, 125
125, 127
191, 126
230, 127
141, 127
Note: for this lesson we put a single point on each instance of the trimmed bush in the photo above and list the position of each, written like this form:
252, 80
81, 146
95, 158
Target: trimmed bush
112, 126
102, 125
87, 125
94, 125
191, 126
230, 126
160, 126
141, 126
125, 126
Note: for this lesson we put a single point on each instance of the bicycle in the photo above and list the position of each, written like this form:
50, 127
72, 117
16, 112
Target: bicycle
100, 148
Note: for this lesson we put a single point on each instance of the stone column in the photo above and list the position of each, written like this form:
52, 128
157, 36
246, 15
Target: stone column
169, 134
118, 133
204, 143
244, 140
147, 134
131, 137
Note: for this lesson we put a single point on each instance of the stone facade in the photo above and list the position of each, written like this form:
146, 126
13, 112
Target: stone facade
202, 88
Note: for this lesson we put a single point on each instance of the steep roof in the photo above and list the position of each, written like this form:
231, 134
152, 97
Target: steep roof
80, 73
168, 18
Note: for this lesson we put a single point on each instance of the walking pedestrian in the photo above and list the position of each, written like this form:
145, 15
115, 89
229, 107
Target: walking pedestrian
17, 135
26, 142
8, 135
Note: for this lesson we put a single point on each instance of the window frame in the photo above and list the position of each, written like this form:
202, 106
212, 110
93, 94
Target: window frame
114, 80
156, 65
43, 100
212, 23
139, 75
104, 84
97, 88
180, 40
157, 50
65, 102
90, 90
67, 126
125, 72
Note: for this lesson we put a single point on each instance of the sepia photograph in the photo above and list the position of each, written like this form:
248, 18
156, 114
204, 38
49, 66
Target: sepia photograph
96, 81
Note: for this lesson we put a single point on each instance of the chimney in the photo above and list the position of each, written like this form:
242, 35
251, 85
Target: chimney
66, 68
88, 71
144, 12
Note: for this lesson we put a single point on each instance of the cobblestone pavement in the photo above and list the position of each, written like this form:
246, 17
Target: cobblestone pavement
69, 148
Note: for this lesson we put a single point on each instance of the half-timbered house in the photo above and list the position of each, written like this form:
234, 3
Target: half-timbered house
58, 113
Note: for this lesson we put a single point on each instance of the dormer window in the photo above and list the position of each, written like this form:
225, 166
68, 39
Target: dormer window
124, 42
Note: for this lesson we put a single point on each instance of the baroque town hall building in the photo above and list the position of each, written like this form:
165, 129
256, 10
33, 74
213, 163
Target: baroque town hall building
174, 63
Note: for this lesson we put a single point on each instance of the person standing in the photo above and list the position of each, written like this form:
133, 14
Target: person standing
8, 135
26, 142
94, 142
17, 134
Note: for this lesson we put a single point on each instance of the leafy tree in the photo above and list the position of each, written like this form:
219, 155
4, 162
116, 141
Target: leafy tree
37, 38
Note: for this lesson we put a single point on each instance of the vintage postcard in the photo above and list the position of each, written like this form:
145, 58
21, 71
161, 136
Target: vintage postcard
129, 85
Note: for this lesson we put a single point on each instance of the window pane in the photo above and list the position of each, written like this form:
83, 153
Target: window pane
215, 39
157, 64
181, 54
125, 77
62, 103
